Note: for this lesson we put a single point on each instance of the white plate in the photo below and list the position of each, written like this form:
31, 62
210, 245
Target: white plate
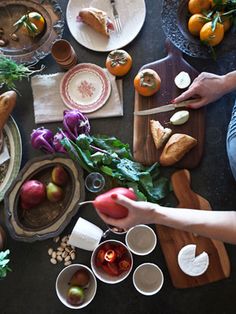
14, 137
85, 87
132, 14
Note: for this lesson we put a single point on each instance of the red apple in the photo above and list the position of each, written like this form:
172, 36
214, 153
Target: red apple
32, 193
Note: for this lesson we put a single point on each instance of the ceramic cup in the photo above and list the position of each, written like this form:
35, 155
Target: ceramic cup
141, 239
148, 279
85, 235
62, 285
64, 54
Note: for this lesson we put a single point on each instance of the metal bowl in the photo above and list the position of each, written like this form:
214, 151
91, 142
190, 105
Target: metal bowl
47, 219
175, 17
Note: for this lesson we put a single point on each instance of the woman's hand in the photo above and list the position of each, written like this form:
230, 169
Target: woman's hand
138, 212
206, 88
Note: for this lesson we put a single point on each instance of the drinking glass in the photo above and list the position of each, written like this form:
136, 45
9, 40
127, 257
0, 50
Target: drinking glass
94, 182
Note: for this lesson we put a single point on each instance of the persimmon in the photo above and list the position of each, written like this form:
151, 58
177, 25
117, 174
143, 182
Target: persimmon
197, 6
119, 62
212, 37
195, 23
147, 82
32, 23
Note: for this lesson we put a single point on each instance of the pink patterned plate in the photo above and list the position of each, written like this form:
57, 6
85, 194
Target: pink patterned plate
85, 87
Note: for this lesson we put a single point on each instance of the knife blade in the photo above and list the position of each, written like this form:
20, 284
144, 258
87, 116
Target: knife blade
164, 108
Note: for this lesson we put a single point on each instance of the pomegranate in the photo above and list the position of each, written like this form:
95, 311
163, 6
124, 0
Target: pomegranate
32, 193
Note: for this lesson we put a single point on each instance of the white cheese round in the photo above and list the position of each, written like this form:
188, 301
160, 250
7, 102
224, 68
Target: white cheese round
191, 264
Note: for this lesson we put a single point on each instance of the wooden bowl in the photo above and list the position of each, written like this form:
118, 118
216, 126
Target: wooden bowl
47, 219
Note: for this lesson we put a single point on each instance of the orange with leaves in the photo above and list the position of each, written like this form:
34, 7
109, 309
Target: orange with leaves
196, 22
210, 36
198, 6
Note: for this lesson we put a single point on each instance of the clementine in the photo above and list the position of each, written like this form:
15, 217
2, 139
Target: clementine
195, 23
197, 6
212, 37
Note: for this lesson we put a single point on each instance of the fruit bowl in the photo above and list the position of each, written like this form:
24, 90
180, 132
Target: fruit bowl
175, 17
46, 219
63, 285
110, 272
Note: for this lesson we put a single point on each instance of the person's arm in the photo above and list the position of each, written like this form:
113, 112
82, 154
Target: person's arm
220, 225
207, 88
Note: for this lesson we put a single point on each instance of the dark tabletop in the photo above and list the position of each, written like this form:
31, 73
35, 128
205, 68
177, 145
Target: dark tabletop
30, 287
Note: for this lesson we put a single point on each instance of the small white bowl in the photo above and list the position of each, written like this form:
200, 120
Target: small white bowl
100, 273
141, 239
62, 285
148, 279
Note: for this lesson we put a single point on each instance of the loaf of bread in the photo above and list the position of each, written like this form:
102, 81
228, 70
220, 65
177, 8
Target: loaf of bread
159, 133
97, 19
176, 147
7, 103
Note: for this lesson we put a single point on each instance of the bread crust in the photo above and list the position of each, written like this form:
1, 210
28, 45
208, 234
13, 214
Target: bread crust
177, 146
7, 103
95, 18
159, 133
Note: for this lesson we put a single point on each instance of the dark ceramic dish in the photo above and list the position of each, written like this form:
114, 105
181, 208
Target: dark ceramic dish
47, 219
26, 49
175, 17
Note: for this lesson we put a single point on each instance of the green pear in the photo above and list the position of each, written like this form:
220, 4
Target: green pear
59, 175
54, 192
75, 295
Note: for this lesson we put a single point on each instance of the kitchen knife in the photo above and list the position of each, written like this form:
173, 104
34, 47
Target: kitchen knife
164, 108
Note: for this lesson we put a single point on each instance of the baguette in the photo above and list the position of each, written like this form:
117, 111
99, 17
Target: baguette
97, 19
7, 103
177, 146
159, 133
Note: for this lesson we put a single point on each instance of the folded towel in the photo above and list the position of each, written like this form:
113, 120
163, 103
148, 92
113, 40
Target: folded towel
49, 107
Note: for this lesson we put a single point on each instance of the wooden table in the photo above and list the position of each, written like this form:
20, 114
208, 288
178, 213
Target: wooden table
30, 288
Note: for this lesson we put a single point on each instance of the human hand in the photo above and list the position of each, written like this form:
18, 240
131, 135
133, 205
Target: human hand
205, 89
138, 212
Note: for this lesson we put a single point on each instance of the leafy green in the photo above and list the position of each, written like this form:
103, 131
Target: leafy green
4, 268
10, 72
113, 158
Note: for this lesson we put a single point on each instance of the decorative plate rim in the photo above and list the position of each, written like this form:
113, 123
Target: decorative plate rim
85, 67
15, 133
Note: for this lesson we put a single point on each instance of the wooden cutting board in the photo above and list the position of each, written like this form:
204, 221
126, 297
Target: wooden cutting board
143, 145
172, 240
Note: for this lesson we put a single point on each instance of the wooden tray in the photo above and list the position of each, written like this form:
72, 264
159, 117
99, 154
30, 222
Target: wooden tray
172, 240
143, 145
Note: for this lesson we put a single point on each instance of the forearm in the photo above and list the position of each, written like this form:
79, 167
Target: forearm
219, 225
229, 82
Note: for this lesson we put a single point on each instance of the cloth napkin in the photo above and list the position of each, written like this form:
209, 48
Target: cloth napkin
49, 107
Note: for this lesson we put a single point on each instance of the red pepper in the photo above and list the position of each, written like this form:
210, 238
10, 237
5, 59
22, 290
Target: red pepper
120, 251
111, 269
100, 258
110, 256
124, 265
